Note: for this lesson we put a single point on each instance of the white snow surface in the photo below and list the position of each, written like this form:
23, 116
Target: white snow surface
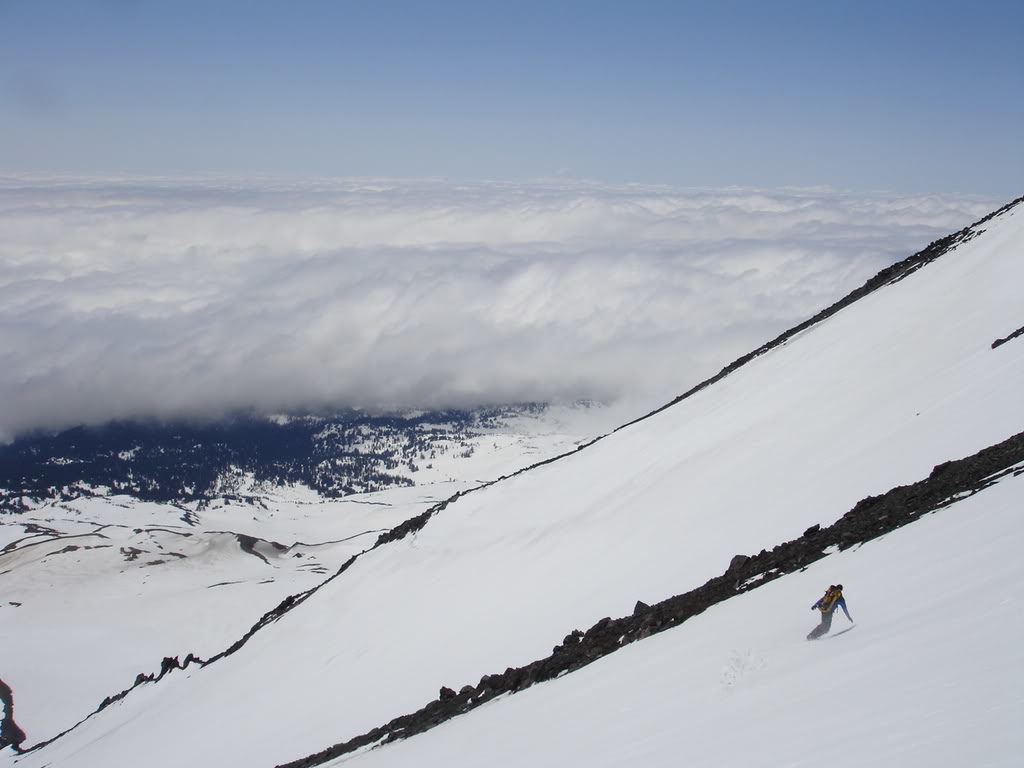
930, 674
111, 585
871, 398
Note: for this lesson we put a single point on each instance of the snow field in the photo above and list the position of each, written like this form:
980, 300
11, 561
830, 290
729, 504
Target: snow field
930, 675
85, 622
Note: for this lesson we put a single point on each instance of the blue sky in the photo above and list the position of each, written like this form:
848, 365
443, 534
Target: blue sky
914, 97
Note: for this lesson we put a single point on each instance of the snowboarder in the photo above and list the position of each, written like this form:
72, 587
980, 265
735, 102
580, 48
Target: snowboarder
827, 604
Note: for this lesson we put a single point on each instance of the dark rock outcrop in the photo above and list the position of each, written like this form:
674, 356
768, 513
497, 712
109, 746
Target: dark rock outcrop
999, 342
11, 734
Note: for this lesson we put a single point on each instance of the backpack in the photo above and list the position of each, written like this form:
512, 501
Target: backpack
831, 595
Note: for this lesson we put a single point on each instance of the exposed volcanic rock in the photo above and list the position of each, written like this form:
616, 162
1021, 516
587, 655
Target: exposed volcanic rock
1014, 335
10, 734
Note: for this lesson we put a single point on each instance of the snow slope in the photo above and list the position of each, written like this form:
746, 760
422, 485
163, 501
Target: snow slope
871, 398
931, 674
100, 588
99, 615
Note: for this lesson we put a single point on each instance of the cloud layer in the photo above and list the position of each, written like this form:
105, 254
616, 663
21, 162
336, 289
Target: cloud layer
166, 298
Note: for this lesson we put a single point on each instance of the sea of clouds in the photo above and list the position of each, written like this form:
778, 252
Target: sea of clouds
166, 298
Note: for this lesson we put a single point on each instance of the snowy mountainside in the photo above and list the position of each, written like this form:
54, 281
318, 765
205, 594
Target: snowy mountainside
102, 588
861, 401
928, 675
132, 579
